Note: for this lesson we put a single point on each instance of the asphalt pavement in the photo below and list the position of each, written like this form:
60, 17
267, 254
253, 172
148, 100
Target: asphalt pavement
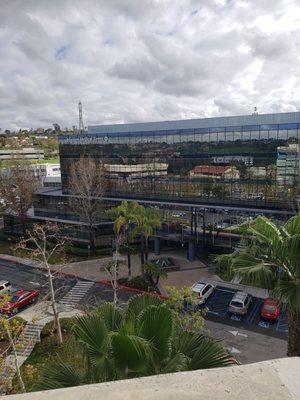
32, 278
247, 346
241, 338
218, 311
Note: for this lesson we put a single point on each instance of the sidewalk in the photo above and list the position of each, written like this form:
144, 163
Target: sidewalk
91, 269
189, 272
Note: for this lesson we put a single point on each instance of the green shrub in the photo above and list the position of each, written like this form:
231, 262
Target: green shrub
137, 282
66, 325
16, 326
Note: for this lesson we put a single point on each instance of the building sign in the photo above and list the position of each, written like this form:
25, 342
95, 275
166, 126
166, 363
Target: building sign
247, 160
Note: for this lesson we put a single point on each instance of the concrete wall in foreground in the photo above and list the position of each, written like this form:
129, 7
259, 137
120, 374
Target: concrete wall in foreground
268, 380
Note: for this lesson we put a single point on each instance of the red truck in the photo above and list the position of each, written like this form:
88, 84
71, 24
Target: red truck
18, 300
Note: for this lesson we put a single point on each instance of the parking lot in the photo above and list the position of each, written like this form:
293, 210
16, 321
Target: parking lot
218, 305
29, 278
250, 347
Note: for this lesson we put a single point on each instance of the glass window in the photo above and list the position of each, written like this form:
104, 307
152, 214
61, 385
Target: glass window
246, 135
187, 135
264, 135
229, 136
205, 137
255, 135
267, 127
292, 134
213, 137
198, 137
176, 137
282, 134
288, 126
273, 134
221, 136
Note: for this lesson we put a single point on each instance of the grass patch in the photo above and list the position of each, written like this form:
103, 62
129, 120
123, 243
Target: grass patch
47, 161
48, 354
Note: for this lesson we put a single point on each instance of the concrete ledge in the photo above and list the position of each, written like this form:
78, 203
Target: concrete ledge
268, 380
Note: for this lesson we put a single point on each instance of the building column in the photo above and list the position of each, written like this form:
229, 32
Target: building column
156, 246
191, 251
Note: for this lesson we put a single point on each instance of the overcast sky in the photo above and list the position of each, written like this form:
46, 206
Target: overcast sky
146, 60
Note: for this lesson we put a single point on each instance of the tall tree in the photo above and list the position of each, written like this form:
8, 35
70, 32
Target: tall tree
124, 216
18, 185
146, 219
42, 243
112, 268
272, 259
87, 186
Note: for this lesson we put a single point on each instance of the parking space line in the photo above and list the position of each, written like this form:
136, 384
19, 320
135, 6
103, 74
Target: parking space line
253, 312
219, 302
225, 290
281, 325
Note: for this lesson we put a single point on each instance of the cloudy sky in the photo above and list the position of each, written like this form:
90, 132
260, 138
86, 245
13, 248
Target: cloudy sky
146, 60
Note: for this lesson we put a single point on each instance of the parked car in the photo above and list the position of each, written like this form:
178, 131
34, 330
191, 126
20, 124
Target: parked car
5, 286
203, 291
19, 299
240, 303
270, 310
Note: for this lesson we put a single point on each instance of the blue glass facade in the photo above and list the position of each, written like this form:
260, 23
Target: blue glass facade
223, 161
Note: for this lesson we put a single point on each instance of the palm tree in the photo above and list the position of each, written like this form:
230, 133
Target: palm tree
272, 258
146, 339
146, 220
153, 272
124, 216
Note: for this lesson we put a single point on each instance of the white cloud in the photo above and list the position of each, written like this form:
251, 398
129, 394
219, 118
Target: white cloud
146, 60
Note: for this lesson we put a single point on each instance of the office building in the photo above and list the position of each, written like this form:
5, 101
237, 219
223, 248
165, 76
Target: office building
152, 163
27, 153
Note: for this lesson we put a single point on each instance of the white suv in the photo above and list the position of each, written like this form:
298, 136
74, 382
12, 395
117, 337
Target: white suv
240, 303
5, 286
203, 290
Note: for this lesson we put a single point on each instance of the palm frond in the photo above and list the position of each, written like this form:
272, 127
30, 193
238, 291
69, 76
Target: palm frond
255, 270
92, 332
59, 376
188, 342
177, 363
211, 354
155, 324
265, 231
130, 352
288, 293
111, 315
138, 303
292, 226
291, 248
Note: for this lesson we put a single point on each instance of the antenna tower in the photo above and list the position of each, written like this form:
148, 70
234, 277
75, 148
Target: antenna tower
80, 125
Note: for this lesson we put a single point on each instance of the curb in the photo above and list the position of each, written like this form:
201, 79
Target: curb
72, 275
133, 290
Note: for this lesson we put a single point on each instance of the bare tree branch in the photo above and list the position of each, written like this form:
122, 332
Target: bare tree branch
87, 186
18, 185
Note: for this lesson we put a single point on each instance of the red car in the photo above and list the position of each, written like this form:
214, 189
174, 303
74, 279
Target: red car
19, 299
270, 310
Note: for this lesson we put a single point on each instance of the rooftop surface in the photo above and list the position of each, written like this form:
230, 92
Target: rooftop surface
276, 118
